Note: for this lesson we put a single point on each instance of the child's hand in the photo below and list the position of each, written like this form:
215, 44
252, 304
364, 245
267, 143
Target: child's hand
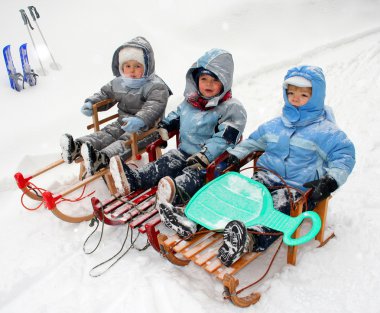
198, 161
233, 160
322, 187
87, 108
133, 124
163, 130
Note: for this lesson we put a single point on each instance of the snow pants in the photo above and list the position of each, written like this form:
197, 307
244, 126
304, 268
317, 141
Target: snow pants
173, 164
111, 140
281, 202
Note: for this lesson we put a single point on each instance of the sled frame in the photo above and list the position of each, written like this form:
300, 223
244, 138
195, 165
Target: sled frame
137, 209
50, 200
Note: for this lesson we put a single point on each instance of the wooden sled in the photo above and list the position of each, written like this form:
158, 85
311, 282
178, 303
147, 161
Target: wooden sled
138, 208
50, 200
202, 251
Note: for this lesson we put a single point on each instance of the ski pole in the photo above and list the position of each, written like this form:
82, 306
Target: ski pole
32, 11
27, 23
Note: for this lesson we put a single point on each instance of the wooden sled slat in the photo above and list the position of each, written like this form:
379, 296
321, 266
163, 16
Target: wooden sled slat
126, 209
191, 253
205, 257
212, 265
121, 210
145, 218
194, 250
238, 265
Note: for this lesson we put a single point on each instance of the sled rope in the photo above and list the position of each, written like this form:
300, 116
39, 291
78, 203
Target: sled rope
81, 197
114, 256
326, 240
226, 296
39, 191
94, 220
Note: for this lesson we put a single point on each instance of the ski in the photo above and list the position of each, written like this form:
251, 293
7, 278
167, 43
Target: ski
14, 77
29, 75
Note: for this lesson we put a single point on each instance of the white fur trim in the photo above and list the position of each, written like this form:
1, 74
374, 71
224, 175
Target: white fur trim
130, 53
297, 81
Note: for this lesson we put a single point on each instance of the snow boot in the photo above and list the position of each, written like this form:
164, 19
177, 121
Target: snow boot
236, 241
70, 149
174, 219
165, 190
123, 176
93, 160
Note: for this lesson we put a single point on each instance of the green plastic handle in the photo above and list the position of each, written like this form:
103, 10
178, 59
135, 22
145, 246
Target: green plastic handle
316, 226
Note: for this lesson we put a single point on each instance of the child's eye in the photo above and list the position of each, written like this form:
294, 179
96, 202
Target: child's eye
305, 95
290, 93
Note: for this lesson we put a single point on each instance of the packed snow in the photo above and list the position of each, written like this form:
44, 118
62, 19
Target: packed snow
43, 266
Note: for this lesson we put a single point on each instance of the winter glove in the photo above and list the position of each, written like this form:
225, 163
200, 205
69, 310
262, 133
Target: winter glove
322, 187
198, 161
163, 131
86, 109
233, 160
133, 124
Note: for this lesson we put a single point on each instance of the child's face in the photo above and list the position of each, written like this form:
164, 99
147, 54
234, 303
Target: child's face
209, 86
133, 69
298, 96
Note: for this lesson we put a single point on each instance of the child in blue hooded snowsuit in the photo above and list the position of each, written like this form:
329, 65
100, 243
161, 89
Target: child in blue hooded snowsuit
209, 121
304, 146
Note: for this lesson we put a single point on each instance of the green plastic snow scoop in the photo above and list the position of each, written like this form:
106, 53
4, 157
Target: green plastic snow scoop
233, 196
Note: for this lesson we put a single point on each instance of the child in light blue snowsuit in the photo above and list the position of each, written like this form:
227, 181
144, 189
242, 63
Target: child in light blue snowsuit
304, 146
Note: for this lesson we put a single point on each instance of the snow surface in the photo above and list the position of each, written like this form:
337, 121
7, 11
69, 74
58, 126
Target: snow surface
42, 265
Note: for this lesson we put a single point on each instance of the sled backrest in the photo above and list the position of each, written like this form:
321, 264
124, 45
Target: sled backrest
155, 147
320, 209
133, 142
95, 115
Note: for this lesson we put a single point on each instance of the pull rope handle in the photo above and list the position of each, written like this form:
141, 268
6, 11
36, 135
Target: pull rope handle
91, 272
94, 220
41, 191
32, 11
25, 19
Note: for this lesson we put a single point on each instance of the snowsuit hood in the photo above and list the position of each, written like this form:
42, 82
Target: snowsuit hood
137, 42
219, 62
314, 109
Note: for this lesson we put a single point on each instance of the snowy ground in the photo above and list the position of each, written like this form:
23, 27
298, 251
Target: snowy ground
42, 265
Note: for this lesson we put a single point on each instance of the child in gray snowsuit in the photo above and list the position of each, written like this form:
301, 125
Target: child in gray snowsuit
209, 121
141, 97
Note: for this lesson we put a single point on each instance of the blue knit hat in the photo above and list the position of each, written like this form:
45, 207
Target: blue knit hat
202, 71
